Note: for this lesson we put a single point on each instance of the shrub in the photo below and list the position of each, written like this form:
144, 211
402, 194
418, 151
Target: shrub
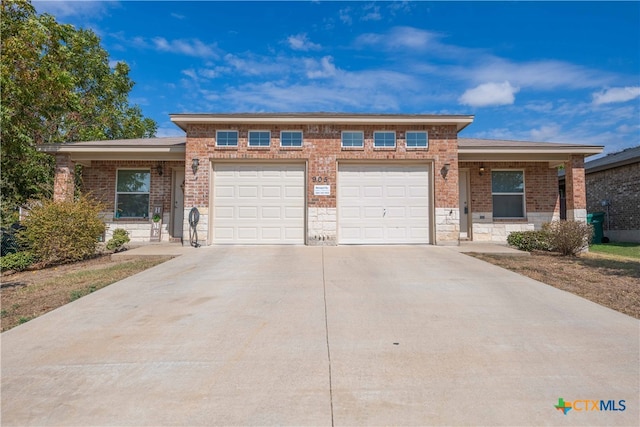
16, 261
120, 237
529, 240
63, 231
568, 237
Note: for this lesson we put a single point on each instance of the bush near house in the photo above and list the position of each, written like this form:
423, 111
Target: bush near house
16, 261
565, 237
63, 231
120, 237
529, 240
568, 237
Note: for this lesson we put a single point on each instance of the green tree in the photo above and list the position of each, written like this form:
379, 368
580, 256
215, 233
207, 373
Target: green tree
56, 86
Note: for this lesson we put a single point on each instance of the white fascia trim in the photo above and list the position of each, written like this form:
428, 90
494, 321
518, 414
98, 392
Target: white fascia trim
585, 149
460, 121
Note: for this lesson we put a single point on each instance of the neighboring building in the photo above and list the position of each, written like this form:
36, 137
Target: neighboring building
613, 186
326, 179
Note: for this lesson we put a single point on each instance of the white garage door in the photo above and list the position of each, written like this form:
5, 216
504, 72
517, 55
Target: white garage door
258, 203
382, 204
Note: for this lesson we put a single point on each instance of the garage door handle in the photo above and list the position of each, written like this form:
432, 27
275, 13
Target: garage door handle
384, 213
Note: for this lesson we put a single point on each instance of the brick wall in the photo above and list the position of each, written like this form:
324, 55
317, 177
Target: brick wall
64, 182
99, 180
621, 186
542, 201
322, 152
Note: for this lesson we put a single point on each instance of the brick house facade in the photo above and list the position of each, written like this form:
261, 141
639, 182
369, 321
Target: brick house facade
345, 178
614, 180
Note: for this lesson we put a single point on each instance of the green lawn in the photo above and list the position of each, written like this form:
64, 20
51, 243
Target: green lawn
629, 250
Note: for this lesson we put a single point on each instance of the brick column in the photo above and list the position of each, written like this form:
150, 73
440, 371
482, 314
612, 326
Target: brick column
64, 182
575, 188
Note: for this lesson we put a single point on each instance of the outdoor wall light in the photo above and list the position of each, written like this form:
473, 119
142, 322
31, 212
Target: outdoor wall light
159, 169
481, 170
194, 165
445, 170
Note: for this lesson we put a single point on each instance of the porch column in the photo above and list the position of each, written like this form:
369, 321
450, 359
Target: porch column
64, 182
575, 189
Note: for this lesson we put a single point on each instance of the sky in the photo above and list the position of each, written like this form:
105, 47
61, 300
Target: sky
534, 71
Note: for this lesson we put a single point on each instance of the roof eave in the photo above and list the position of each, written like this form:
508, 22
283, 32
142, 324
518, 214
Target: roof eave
183, 120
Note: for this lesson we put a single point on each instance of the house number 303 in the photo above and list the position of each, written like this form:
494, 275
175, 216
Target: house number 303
320, 179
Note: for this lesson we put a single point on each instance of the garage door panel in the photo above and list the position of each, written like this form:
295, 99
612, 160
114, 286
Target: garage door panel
224, 212
294, 192
258, 203
294, 213
380, 204
247, 212
271, 191
270, 212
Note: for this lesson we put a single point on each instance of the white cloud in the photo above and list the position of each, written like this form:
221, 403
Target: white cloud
550, 74
616, 94
322, 69
301, 42
345, 16
546, 132
81, 9
489, 94
193, 47
399, 38
372, 13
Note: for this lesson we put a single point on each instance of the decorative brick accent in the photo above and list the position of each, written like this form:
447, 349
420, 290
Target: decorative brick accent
575, 188
64, 181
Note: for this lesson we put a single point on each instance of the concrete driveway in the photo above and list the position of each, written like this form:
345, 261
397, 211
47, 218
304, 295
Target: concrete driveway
323, 336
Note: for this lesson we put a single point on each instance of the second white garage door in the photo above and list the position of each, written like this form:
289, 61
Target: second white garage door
383, 204
258, 203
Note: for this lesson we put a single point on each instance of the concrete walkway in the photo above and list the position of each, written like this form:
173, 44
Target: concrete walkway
402, 335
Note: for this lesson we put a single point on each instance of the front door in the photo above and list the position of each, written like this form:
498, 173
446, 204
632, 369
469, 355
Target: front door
465, 208
177, 197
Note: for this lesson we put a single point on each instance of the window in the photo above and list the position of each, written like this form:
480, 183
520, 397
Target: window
132, 193
291, 138
507, 189
384, 139
417, 139
259, 138
227, 138
352, 139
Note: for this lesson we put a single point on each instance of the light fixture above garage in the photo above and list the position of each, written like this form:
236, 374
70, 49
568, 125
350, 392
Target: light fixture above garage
445, 170
195, 163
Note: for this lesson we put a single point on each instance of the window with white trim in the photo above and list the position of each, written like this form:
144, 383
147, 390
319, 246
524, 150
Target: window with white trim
290, 138
227, 138
352, 139
384, 139
507, 191
259, 138
132, 193
417, 139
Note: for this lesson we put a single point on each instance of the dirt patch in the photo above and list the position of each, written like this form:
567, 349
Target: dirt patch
610, 281
29, 294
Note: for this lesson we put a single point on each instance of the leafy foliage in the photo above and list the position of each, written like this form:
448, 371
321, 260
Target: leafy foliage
66, 231
529, 240
17, 261
568, 237
57, 86
120, 237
